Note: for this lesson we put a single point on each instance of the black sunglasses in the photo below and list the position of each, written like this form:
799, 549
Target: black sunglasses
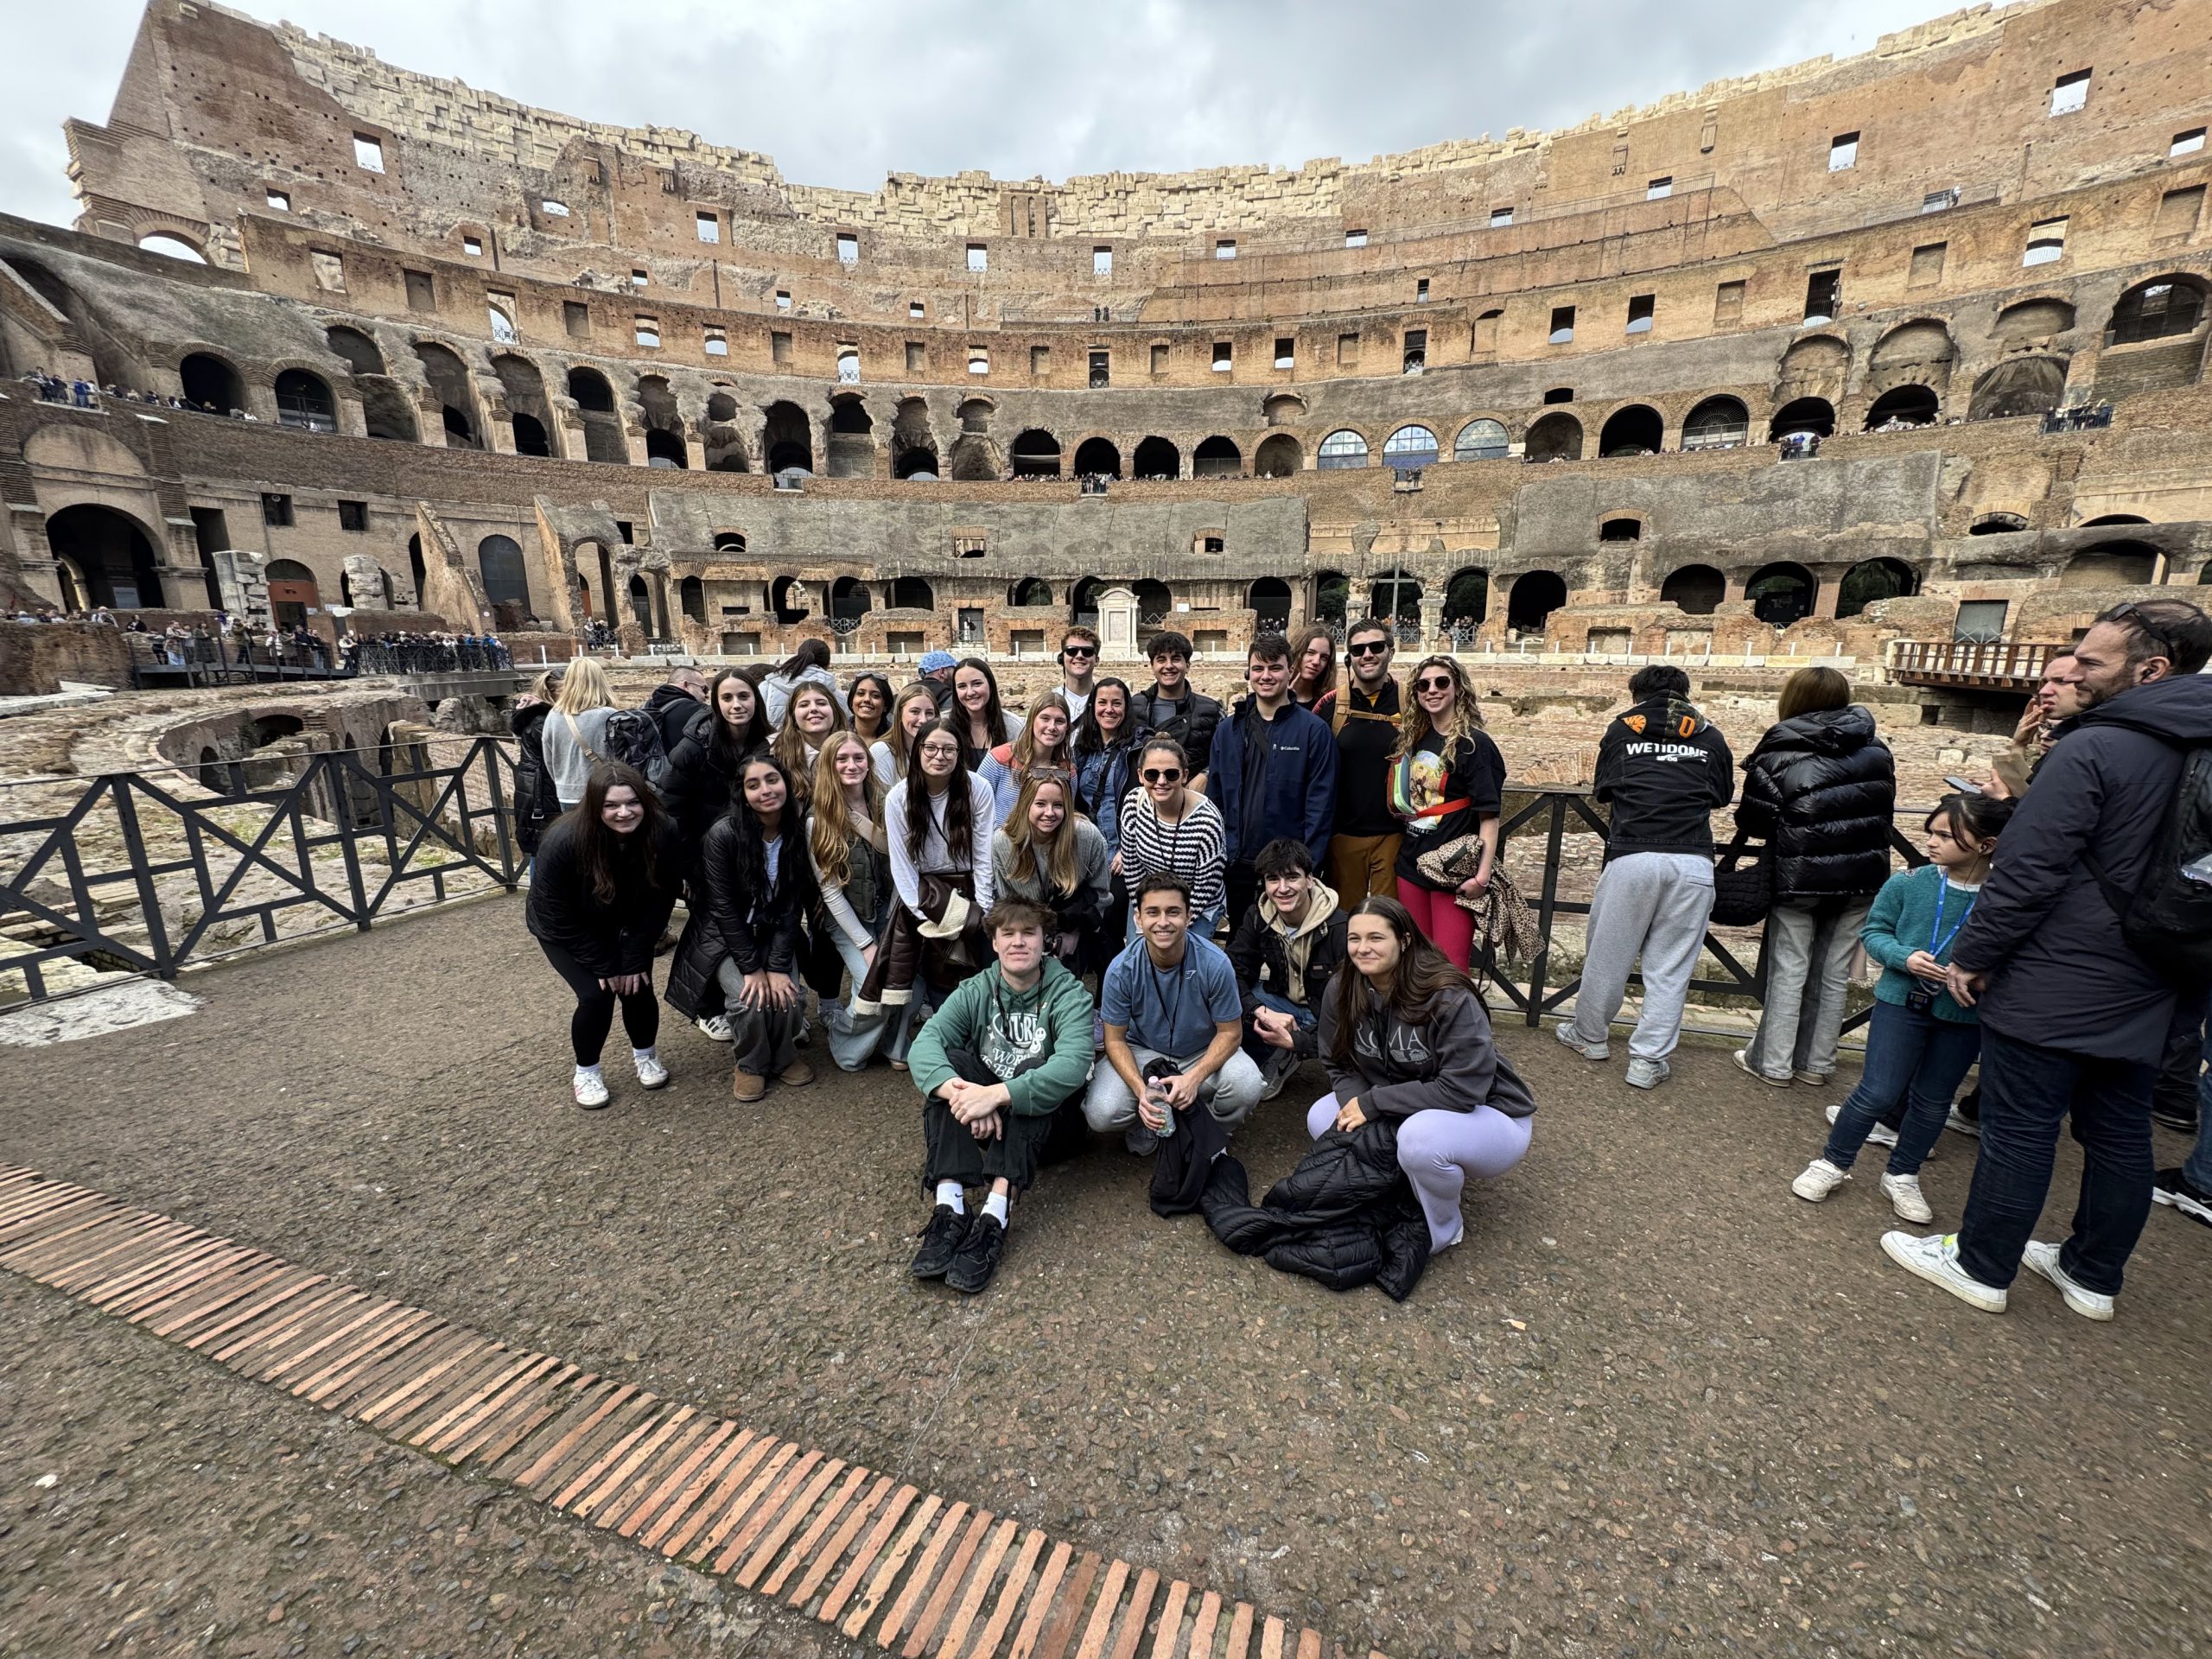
1435, 683
1369, 648
1156, 775
2142, 623
1078, 651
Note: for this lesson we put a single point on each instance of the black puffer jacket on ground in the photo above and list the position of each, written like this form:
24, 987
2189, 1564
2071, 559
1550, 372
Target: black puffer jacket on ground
1820, 790
1345, 1217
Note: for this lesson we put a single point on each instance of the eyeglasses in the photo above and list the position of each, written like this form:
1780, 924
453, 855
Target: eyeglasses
1079, 651
1161, 775
1435, 683
1369, 648
941, 751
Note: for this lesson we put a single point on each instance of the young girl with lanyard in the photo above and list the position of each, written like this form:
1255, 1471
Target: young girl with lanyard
1920, 1042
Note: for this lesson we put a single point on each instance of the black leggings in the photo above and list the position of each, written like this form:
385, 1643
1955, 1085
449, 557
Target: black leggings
594, 1014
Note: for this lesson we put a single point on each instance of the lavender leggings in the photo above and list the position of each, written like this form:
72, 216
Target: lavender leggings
1438, 1150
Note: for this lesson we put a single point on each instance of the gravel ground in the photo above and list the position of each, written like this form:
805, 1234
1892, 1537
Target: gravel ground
1655, 1405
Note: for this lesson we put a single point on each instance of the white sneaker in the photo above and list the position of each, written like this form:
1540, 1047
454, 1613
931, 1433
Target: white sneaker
590, 1091
1935, 1258
1648, 1074
2043, 1259
1820, 1178
1962, 1123
714, 1027
1743, 1058
651, 1074
1906, 1198
1812, 1079
1587, 1051
1880, 1135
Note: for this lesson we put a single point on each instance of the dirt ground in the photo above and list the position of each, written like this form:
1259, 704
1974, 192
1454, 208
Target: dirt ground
1654, 1405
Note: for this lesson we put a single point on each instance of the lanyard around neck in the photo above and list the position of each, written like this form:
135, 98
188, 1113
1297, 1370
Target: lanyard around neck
1942, 892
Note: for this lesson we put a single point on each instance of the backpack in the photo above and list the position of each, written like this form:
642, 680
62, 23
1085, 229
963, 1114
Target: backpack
2168, 920
632, 736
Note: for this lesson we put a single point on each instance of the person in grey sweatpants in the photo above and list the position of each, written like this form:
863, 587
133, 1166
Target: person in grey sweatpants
1663, 769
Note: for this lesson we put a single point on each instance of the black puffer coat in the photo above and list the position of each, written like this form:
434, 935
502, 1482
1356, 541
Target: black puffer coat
1821, 791
689, 785
535, 804
1345, 1217
756, 931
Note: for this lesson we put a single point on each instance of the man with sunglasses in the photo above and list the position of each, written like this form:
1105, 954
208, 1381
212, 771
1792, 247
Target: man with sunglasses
2073, 1016
1171, 707
1078, 669
1273, 772
1363, 851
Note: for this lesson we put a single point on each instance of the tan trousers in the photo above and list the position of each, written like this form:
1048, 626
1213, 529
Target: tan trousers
1363, 865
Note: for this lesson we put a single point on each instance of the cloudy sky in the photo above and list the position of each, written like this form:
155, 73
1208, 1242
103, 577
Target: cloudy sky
843, 94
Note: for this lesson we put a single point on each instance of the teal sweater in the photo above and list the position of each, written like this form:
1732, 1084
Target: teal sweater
1008, 1028
1900, 923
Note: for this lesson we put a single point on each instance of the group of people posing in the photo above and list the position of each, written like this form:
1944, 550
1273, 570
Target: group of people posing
950, 878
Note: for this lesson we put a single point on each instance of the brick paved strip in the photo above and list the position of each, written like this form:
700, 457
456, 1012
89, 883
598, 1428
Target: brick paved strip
763, 1510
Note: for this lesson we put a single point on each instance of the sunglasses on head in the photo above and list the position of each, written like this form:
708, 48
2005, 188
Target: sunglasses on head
1435, 683
1161, 775
1368, 648
2133, 611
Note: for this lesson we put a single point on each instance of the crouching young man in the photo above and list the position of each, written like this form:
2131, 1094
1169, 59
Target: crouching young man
1003, 1055
1173, 1026
1286, 950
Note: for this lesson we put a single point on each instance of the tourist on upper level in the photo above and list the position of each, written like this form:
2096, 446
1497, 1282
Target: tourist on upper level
739, 949
699, 777
810, 718
937, 823
604, 885
1663, 769
936, 668
1166, 827
984, 722
869, 699
2057, 699
1364, 851
1405, 1039
1174, 1027
808, 665
576, 732
2075, 1007
1447, 784
1171, 707
1922, 1040
1285, 950
998, 1066
847, 845
915, 707
1819, 789
1040, 748
536, 804
1313, 669
1079, 667
1045, 853
1104, 746
1272, 772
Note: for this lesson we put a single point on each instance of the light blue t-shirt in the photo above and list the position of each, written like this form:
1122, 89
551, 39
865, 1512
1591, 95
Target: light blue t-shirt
1171, 1010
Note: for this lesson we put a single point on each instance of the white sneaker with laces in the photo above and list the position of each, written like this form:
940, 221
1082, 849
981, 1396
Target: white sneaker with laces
590, 1091
1935, 1258
651, 1074
1648, 1074
1880, 1135
1587, 1051
714, 1027
1906, 1198
2043, 1258
1820, 1178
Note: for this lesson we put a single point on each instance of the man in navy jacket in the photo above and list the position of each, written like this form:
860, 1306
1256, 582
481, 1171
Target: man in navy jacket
2072, 1021
1271, 772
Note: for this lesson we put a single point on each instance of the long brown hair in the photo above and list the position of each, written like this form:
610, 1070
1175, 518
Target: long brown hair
1327, 682
789, 746
894, 737
1461, 721
1056, 868
596, 845
831, 833
1424, 975
959, 806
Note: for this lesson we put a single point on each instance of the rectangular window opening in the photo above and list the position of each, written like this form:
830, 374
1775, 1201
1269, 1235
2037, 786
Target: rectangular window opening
368, 153
1843, 152
783, 299
1728, 302
1421, 291
2046, 243
1224, 357
710, 228
280, 201
1347, 351
1225, 248
1640, 310
329, 271
2178, 212
1562, 328
648, 332
1101, 261
472, 246
849, 249
2187, 144
1040, 362
1159, 360
979, 360
641, 278
275, 509
1102, 370
1928, 264
1658, 189
779, 346
556, 209
979, 255
849, 366
353, 515
917, 357
1355, 238
916, 309
1823, 294
1500, 217
714, 342
2070, 93
1416, 359
575, 317
1285, 354
422, 291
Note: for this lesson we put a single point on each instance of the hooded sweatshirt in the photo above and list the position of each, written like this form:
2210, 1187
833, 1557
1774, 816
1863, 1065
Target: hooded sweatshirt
1294, 961
2061, 976
1045, 1028
1664, 768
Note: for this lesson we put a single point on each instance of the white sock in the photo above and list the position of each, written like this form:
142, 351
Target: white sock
588, 1073
645, 1056
949, 1193
995, 1207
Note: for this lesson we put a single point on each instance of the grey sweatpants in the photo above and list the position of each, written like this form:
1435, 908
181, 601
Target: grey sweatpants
1653, 905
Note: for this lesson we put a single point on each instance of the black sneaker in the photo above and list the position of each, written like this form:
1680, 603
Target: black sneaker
941, 1241
2173, 1187
979, 1255
2182, 1121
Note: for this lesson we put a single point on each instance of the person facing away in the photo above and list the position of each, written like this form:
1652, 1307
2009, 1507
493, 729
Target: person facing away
1363, 850
1820, 790
1174, 1027
1285, 949
1921, 1039
2073, 1017
807, 665
574, 734
1000, 1066
1663, 769
1272, 771
1171, 707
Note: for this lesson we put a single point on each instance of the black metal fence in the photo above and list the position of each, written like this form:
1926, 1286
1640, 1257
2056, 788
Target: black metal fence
127, 871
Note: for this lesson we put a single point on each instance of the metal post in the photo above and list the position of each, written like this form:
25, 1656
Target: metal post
1546, 908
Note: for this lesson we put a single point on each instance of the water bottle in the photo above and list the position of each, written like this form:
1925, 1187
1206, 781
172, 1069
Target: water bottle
1152, 1073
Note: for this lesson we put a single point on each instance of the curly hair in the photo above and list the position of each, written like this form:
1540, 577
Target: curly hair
1463, 718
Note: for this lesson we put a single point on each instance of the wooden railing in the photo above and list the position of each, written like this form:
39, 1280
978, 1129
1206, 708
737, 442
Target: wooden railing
1997, 666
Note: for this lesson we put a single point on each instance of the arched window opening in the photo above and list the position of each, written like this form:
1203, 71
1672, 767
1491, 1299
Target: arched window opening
1554, 437
1030, 591
918, 461
641, 606
852, 440
360, 351
1482, 439
529, 436
1269, 598
1036, 453
1634, 430
1331, 596
1620, 529
385, 412
1283, 408
974, 460
2026, 385
506, 578
590, 388
849, 600
1466, 602
110, 552
1217, 457
303, 401
730, 543
691, 598
665, 449
459, 435
720, 407
786, 440
1342, 448
416, 567
911, 593
1696, 589
1534, 597
975, 415
1155, 602
173, 247
1280, 455
1717, 423
1396, 593
1083, 601
2163, 307
1903, 407
449, 385
1156, 458
1872, 580
787, 597
2111, 519
1816, 415
1781, 593
291, 592
849, 416
1410, 449
209, 380
1997, 524
1097, 458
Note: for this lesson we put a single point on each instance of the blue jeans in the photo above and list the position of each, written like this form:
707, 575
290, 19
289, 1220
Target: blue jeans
2028, 1092
1264, 1053
2199, 1167
1913, 1059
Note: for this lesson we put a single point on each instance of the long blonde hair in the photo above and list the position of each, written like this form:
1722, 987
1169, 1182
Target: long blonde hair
584, 687
1461, 721
831, 833
790, 745
894, 728
1057, 868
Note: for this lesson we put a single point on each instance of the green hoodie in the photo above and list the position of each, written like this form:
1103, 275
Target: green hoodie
1007, 1027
